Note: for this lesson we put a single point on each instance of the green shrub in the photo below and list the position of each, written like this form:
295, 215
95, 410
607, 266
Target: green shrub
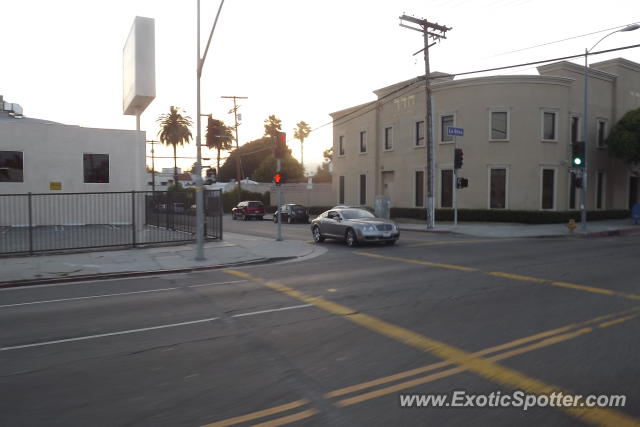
513, 216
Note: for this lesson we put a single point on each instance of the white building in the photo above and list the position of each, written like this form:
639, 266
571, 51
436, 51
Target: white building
40, 156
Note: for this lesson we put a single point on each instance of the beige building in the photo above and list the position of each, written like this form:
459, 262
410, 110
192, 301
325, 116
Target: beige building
517, 140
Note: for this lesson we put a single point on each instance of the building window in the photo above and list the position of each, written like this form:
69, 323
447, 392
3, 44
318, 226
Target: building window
499, 125
341, 146
363, 141
549, 126
575, 128
498, 189
11, 166
420, 134
572, 191
419, 195
341, 191
96, 168
388, 139
446, 188
445, 122
602, 133
363, 190
600, 193
548, 184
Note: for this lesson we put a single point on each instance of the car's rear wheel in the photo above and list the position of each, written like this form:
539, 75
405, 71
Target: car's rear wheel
350, 238
317, 236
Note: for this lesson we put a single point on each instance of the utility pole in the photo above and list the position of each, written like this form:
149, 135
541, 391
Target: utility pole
234, 110
153, 165
434, 32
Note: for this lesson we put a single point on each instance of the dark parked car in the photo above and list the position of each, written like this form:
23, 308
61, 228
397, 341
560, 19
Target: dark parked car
354, 226
247, 210
292, 213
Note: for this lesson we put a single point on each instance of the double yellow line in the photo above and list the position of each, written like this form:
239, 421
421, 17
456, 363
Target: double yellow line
472, 362
573, 286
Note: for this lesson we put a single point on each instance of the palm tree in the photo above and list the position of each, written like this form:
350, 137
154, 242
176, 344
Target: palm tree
301, 133
174, 131
218, 136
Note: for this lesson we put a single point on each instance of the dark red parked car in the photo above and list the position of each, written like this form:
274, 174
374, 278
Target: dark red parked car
247, 210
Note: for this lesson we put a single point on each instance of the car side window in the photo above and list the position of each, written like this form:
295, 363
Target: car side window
333, 215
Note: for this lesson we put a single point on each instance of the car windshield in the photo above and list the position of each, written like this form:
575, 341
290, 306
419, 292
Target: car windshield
356, 213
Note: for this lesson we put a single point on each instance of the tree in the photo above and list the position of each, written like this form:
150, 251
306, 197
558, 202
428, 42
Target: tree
252, 154
174, 131
301, 133
322, 172
291, 169
272, 125
624, 139
218, 137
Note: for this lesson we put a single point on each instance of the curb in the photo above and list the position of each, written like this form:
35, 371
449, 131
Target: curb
425, 230
127, 274
609, 233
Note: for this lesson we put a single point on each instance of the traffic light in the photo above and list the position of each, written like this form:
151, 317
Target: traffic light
462, 182
280, 145
457, 158
277, 178
577, 154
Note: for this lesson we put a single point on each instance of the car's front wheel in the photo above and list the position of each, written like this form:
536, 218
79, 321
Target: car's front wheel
350, 238
275, 218
317, 236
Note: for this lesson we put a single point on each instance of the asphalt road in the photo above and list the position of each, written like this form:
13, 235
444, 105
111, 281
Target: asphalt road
334, 340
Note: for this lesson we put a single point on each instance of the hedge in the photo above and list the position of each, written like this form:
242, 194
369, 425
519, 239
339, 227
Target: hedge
522, 217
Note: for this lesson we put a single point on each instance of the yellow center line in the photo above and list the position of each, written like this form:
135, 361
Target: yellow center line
483, 367
511, 276
258, 414
456, 242
288, 419
491, 350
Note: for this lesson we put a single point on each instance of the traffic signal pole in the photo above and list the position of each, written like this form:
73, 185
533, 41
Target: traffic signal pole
455, 184
279, 232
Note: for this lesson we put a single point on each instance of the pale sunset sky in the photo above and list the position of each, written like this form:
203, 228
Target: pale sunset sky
298, 59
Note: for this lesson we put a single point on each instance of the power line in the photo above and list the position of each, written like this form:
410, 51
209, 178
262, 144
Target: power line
375, 104
557, 41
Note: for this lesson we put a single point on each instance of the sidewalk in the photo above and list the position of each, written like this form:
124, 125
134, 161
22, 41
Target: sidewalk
235, 249
614, 227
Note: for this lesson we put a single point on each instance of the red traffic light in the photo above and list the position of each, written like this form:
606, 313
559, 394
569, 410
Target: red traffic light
277, 178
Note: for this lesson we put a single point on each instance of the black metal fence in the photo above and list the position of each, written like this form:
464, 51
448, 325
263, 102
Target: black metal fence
33, 223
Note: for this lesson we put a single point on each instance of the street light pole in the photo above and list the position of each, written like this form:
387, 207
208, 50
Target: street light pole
198, 169
585, 129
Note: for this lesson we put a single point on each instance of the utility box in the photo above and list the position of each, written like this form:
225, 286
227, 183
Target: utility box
382, 207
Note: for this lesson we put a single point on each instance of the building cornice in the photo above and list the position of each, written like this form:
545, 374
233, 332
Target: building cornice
620, 62
575, 68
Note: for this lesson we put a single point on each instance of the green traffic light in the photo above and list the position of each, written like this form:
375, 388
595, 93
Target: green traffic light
577, 161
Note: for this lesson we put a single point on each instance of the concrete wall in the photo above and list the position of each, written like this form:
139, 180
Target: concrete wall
321, 194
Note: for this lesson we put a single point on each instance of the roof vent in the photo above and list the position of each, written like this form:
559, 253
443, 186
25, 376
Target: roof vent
14, 110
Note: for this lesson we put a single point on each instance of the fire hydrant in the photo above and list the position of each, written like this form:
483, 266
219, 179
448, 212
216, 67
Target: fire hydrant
571, 225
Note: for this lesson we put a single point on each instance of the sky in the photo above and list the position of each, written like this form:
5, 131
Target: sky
297, 59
